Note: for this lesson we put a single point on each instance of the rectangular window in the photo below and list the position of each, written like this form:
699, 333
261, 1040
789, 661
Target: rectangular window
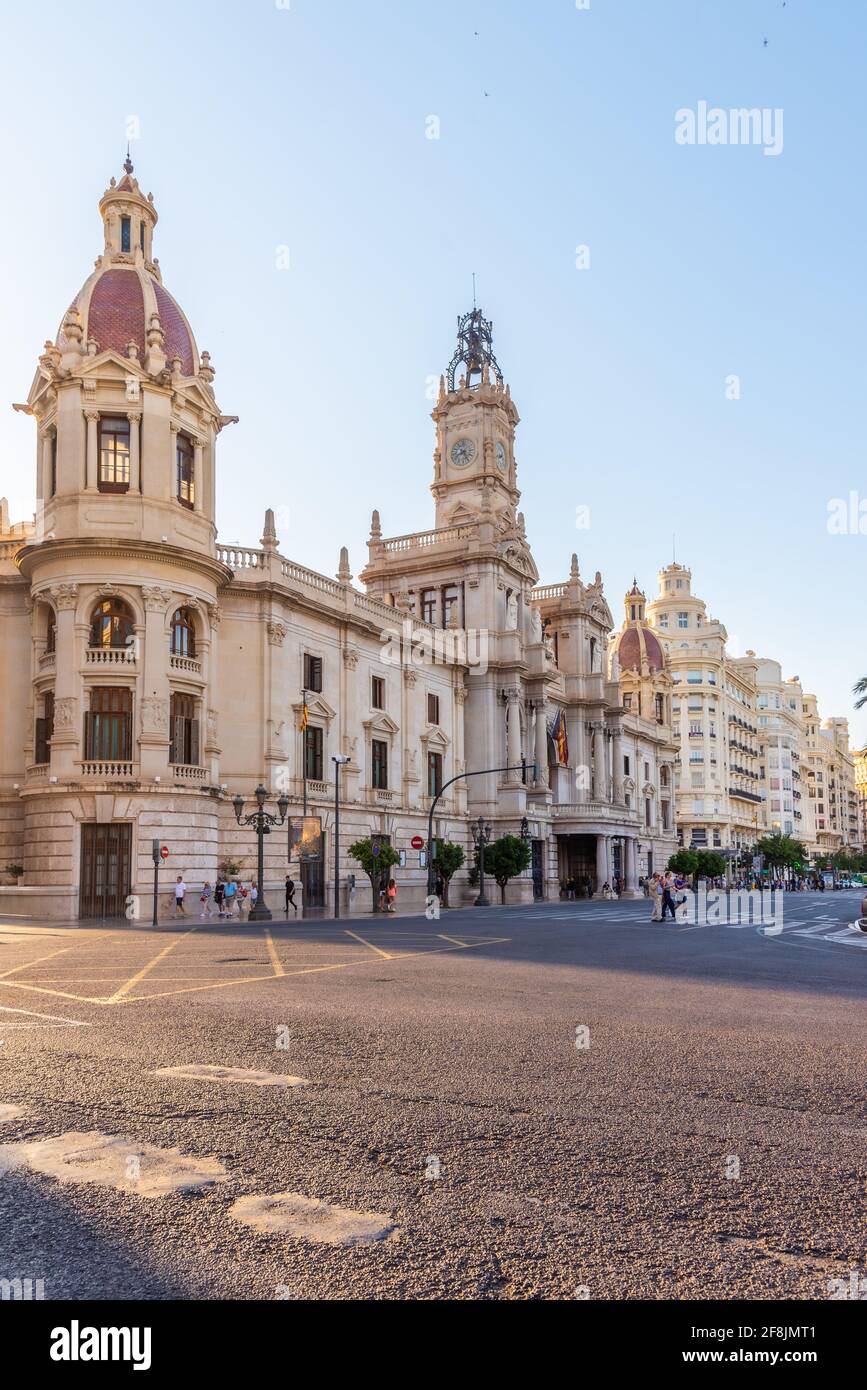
377, 692
108, 725
312, 672
433, 709
434, 773
125, 234
186, 480
627, 701
683, 620
449, 603
45, 729
184, 747
663, 620
379, 764
428, 605
141, 235
659, 702
693, 677
625, 765
113, 453
53, 479
647, 772
313, 753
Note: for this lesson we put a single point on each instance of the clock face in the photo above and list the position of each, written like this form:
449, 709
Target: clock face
463, 452
501, 458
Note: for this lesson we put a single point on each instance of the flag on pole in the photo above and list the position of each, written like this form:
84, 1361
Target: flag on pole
557, 735
304, 713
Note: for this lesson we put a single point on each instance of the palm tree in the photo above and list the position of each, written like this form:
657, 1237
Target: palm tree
860, 689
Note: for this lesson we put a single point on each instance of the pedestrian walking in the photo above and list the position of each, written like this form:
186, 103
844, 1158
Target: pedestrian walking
220, 897
205, 899
230, 894
254, 896
290, 896
391, 895
180, 894
668, 897
656, 895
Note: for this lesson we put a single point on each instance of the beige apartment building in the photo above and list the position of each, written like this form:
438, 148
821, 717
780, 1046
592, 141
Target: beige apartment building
861, 797
714, 721
152, 671
789, 809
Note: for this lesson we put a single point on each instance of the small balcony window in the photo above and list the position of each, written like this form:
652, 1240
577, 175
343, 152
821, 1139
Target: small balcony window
312, 672
433, 709
434, 773
108, 725
125, 233
112, 624
184, 750
186, 480
113, 453
183, 638
313, 753
377, 692
379, 764
44, 729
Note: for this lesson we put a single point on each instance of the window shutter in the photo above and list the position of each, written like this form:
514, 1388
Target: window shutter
177, 749
194, 742
87, 736
41, 747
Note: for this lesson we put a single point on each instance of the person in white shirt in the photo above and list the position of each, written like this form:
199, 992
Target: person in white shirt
180, 892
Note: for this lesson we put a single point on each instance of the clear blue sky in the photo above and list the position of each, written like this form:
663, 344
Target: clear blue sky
263, 126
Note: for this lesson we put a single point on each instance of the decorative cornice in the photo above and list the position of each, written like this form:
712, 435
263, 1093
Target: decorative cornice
73, 549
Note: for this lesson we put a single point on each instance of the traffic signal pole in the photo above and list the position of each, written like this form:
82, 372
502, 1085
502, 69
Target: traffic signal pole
155, 850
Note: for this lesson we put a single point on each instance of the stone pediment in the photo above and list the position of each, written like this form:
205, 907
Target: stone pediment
317, 708
516, 554
381, 724
435, 740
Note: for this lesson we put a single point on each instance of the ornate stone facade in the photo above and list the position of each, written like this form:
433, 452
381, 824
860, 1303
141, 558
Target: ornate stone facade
128, 715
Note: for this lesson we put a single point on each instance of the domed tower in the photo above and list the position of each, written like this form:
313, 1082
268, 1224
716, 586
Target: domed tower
475, 472
125, 403
637, 661
123, 576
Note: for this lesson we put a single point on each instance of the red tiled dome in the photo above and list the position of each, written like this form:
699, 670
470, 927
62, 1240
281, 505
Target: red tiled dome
629, 650
115, 307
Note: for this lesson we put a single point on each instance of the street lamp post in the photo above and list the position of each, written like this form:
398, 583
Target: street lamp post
262, 821
481, 836
480, 772
339, 761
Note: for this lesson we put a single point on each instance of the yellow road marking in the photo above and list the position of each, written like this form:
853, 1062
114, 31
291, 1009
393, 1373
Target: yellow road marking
272, 952
453, 939
384, 954
308, 970
146, 970
39, 959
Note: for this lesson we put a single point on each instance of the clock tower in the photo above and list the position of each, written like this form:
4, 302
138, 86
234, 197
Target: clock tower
475, 417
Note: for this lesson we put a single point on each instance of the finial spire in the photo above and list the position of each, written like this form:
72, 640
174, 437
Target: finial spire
128, 164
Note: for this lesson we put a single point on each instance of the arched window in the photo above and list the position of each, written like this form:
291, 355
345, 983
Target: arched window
112, 624
183, 638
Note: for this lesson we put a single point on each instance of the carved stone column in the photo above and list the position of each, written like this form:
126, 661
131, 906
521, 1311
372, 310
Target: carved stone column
513, 732
601, 862
92, 418
134, 417
155, 711
541, 749
600, 762
618, 764
198, 474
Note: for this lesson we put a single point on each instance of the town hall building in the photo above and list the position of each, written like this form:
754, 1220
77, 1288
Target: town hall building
127, 716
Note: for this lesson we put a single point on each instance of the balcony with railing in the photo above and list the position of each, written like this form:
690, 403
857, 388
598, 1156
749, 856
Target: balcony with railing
186, 665
187, 772
110, 656
108, 770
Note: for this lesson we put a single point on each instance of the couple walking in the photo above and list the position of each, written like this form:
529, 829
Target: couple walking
662, 890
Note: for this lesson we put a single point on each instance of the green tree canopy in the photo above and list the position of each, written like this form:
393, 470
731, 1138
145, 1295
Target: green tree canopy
374, 865
505, 858
448, 858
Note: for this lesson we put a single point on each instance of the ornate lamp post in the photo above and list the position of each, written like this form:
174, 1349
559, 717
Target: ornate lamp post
262, 820
481, 836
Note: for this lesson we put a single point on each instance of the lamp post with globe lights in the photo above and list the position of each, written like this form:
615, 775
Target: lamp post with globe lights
262, 821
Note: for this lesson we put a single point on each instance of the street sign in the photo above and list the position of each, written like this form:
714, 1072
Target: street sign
417, 842
164, 852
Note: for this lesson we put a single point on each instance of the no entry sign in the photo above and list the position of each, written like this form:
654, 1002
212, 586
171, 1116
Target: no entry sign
164, 852
417, 842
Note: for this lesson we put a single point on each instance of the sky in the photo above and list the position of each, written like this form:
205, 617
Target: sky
692, 383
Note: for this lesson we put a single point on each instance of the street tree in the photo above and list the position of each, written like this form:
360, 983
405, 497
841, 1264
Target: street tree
374, 865
448, 859
506, 858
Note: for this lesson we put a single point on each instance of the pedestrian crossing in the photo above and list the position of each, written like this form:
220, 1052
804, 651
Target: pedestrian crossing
825, 928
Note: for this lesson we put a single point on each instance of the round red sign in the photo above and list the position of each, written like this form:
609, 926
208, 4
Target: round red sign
164, 852
417, 842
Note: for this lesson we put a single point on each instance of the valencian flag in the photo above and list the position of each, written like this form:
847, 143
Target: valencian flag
304, 713
557, 735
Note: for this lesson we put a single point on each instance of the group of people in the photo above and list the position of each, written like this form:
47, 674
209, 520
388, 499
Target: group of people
663, 890
230, 896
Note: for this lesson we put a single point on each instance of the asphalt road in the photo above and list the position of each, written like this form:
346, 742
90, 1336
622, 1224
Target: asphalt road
555, 1101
